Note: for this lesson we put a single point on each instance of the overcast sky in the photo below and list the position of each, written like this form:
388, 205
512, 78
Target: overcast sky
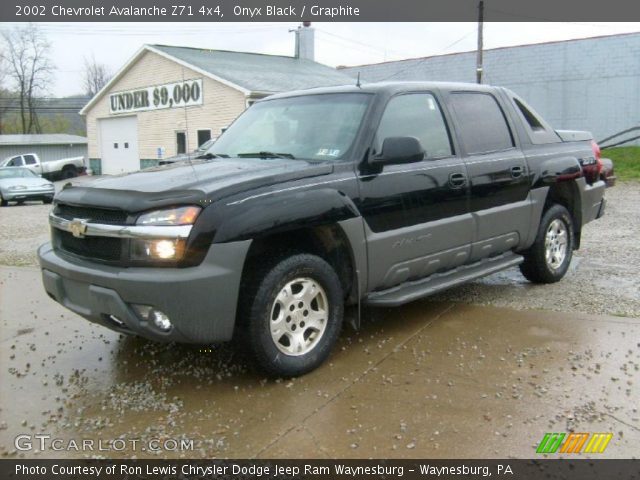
336, 43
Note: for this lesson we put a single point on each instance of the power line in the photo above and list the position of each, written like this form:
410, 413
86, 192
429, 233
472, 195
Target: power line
423, 60
351, 40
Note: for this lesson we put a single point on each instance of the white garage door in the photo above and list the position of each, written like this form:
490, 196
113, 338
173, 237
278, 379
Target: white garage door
119, 145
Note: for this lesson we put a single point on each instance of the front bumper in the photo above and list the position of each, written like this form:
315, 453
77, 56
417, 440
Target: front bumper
200, 301
25, 195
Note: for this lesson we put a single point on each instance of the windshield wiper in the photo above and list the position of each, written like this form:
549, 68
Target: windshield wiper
209, 156
266, 155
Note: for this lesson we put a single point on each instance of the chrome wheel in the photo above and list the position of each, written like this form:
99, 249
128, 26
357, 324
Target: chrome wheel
555, 243
299, 316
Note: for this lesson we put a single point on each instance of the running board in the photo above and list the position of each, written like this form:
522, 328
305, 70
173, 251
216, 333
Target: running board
410, 291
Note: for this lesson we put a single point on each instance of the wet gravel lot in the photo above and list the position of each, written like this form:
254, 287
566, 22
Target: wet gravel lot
483, 370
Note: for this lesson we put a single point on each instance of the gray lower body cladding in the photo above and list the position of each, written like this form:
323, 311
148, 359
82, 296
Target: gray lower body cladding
592, 200
200, 301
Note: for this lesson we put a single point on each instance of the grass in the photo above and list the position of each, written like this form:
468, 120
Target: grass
626, 161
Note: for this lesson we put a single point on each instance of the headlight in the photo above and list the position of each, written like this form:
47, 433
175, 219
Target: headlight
17, 187
172, 216
163, 249
47, 185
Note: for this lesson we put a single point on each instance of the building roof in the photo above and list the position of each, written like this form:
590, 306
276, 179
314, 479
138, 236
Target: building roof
259, 72
250, 73
42, 139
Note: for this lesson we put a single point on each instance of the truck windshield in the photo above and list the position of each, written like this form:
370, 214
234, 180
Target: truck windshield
312, 127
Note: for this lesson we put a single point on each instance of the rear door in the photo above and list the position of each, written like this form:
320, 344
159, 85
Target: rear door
498, 175
416, 215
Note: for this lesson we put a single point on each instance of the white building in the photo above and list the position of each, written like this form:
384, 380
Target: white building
168, 100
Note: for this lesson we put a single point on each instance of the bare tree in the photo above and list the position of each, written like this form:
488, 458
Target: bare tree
96, 75
26, 53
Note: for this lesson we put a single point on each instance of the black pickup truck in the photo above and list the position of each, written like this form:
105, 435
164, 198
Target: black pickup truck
317, 199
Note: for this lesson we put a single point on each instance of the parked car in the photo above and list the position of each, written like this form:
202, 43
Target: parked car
317, 199
52, 170
201, 150
21, 184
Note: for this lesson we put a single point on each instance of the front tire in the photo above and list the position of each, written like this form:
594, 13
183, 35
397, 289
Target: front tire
292, 316
3, 202
548, 259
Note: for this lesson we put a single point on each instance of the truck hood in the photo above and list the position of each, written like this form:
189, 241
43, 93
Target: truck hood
189, 183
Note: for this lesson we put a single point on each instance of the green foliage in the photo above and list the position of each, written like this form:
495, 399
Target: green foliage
626, 161
57, 123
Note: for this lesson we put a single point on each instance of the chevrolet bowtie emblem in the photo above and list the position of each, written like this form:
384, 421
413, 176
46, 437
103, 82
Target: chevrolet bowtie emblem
78, 227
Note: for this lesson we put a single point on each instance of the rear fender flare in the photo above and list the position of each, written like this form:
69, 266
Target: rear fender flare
556, 170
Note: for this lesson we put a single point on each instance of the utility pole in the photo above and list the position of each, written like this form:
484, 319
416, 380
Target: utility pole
480, 28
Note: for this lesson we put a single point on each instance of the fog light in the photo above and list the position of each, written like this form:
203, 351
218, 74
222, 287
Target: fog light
156, 317
164, 249
160, 249
161, 321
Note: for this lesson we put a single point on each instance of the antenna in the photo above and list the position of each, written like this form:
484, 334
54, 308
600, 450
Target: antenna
186, 133
358, 81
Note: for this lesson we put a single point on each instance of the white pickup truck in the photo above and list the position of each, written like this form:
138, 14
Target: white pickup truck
51, 170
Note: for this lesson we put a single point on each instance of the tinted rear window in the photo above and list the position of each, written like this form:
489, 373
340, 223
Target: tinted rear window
481, 123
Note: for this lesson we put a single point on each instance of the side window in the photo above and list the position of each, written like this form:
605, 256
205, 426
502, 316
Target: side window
481, 123
531, 119
29, 159
416, 115
15, 162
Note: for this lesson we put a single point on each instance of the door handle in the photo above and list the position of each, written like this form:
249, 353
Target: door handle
457, 180
517, 171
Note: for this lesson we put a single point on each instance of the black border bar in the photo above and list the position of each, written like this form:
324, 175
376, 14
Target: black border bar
567, 469
316, 10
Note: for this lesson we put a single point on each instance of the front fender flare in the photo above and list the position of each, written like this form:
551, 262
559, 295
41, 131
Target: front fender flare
261, 216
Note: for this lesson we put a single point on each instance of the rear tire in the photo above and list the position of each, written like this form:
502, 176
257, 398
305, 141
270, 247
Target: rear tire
69, 172
548, 259
47, 201
3, 202
292, 315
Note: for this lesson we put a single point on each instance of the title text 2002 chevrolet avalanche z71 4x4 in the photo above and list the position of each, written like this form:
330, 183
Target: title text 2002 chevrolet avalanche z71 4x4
316, 199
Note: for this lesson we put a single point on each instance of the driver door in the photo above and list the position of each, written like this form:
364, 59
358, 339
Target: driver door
416, 215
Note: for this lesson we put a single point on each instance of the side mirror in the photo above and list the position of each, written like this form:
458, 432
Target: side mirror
397, 150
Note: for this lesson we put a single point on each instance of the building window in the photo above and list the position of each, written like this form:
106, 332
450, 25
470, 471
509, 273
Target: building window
204, 136
181, 142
